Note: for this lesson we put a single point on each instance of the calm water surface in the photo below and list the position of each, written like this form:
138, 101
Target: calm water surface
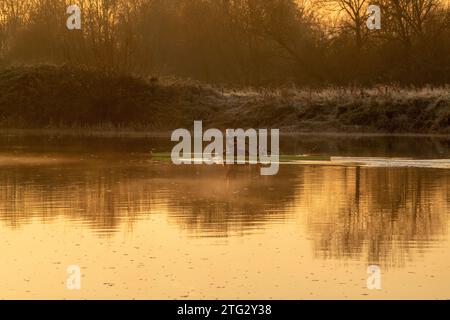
150, 230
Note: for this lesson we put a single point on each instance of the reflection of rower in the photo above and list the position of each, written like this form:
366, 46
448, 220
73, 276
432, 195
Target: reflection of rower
241, 153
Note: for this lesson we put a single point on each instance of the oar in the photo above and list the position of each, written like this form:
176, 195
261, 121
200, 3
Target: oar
282, 158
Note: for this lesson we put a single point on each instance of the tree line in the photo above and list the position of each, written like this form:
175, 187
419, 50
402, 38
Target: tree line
237, 42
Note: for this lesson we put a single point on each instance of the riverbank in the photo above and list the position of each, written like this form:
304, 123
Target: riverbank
67, 99
141, 133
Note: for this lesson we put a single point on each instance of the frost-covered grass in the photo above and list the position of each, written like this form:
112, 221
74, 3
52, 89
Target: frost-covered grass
39, 97
378, 109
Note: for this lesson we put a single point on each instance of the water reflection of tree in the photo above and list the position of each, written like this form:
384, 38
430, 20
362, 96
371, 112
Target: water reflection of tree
231, 200
383, 215
211, 200
99, 196
377, 214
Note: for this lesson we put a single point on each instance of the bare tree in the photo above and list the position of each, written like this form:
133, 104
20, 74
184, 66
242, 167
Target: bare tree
354, 13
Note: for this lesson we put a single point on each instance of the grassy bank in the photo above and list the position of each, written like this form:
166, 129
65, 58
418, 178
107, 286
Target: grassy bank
62, 97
